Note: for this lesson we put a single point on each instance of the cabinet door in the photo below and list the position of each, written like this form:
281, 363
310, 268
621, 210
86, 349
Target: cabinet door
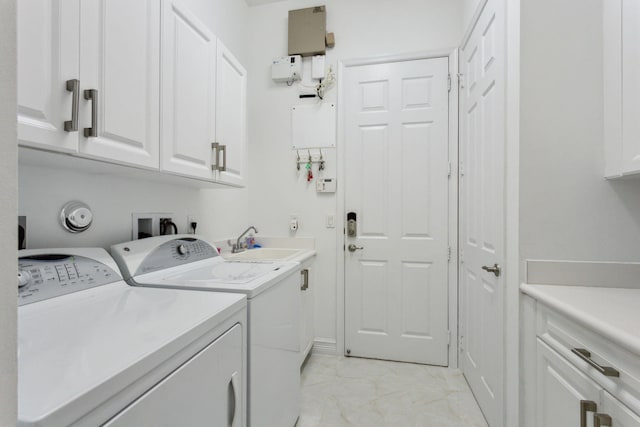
621, 415
630, 86
188, 92
307, 330
560, 388
231, 114
206, 390
119, 54
48, 56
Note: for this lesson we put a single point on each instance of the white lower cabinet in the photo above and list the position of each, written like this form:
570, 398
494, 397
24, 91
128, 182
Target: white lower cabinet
577, 377
206, 390
307, 312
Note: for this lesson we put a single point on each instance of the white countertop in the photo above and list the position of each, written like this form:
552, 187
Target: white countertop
613, 313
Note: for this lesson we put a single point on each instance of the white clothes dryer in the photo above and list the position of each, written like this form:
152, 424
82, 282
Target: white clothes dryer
93, 350
272, 288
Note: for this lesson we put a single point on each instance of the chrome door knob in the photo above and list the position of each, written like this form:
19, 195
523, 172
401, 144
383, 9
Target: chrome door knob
353, 248
495, 269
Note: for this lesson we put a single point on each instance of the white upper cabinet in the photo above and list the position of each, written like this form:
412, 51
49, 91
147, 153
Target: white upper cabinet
188, 93
48, 39
108, 49
231, 118
119, 60
621, 75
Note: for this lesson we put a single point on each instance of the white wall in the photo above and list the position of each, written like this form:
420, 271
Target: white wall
220, 212
363, 28
8, 203
469, 9
568, 210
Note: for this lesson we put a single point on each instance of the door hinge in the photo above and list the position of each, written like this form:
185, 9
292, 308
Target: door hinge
461, 80
449, 254
449, 82
449, 170
448, 337
344, 248
460, 343
461, 256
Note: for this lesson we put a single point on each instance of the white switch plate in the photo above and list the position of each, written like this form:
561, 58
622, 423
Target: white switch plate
331, 221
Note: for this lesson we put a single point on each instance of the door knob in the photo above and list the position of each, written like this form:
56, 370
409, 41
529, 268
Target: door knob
353, 248
495, 269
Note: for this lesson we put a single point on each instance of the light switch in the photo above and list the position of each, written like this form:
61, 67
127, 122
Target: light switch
331, 221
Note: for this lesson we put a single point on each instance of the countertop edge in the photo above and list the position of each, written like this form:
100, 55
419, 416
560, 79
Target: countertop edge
608, 331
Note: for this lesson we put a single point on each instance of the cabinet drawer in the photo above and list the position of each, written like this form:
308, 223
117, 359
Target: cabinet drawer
565, 335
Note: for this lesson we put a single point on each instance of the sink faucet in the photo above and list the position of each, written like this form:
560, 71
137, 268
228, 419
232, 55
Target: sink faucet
237, 246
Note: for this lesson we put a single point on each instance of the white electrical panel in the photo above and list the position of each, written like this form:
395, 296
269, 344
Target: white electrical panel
326, 185
313, 125
287, 69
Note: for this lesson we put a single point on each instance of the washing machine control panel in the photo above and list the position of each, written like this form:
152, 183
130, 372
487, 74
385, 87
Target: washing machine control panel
176, 252
47, 276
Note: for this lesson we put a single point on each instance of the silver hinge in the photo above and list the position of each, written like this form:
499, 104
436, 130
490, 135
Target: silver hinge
460, 343
449, 254
448, 337
461, 169
449, 170
461, 80
449, 82
461, 256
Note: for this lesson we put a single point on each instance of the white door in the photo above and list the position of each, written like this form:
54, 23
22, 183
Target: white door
482, 224
119, 54
560, 389
231, 117
48, 56
188, 82
206, 390
396, 182
630, 12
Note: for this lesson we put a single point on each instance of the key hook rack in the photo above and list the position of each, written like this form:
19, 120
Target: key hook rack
309, 160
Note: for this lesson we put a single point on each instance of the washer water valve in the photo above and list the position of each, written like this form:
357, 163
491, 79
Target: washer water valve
76, 216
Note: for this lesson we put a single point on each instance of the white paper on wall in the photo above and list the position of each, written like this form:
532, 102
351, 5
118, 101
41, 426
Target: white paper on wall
313, 125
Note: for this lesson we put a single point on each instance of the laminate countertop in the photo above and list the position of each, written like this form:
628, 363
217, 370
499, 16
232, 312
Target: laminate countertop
613, 313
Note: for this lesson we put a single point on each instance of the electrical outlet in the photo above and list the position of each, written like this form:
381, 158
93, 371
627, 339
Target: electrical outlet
191, 221
294, 224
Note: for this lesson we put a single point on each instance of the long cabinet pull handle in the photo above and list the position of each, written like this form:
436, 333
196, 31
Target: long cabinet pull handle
215, 149
92, 95
223, 149
73, 86
602, 420
305, 279
586, 406
235, 403
585, 355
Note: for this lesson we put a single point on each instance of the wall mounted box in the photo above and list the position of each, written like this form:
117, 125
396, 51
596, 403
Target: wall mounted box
286, 69
307, 31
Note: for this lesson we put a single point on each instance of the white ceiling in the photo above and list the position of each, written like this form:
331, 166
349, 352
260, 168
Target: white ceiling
259, 2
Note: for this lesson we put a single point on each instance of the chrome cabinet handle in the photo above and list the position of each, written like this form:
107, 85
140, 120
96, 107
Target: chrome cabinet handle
353, 248
73, 86
586, 406
215, 148
585, 355
305, 279
92, 95
602, 420
234, 405
223, 149
495, 269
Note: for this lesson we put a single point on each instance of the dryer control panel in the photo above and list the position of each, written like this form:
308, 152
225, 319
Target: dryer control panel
176, 252
47, 276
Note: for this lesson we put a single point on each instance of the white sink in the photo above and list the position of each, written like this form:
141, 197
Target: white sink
265, 254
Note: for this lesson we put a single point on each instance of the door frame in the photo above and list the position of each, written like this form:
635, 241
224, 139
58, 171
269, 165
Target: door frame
343, 65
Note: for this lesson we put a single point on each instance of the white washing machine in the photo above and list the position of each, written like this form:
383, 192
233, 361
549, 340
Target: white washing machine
272, 289
93, 350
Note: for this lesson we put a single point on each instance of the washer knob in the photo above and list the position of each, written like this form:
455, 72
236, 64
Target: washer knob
182, 249
24, 278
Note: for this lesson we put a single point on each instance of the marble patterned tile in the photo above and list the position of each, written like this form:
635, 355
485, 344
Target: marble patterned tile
352, 392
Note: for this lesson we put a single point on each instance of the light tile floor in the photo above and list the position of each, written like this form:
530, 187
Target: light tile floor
347, 391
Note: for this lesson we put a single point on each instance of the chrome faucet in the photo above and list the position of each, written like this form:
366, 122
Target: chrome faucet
237, 246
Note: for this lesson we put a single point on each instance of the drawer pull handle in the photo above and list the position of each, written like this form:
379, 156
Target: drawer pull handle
602, 420
586, 406
585, 355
